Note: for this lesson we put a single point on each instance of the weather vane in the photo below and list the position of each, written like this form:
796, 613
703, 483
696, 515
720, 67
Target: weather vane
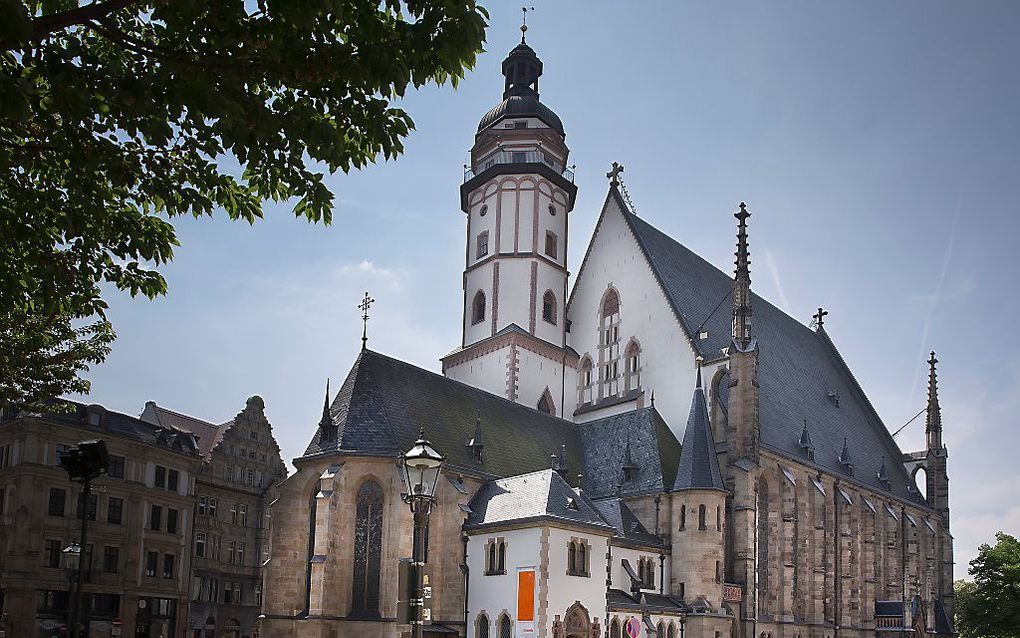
365, 304
524, 23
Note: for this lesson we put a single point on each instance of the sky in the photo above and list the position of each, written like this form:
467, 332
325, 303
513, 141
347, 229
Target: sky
875, 144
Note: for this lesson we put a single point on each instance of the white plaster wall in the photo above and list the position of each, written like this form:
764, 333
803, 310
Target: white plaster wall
667, 359
535, 373
565, 590
487, 372
478, 279
619, 576
514, 293
498, 593
549, 277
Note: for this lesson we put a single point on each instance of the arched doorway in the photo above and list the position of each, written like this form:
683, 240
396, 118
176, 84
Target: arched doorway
577, 622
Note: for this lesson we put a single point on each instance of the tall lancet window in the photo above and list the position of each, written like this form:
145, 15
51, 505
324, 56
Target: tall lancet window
632, 365
367, 549
585, 381
763, 547
478, 308
609, 345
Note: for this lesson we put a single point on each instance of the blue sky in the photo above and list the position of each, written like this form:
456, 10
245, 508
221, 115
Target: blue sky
875, 144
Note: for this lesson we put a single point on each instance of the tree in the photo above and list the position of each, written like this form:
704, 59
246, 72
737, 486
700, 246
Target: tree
989, 607
118, 115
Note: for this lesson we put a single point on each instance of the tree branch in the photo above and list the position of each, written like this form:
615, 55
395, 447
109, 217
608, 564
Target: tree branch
43, 26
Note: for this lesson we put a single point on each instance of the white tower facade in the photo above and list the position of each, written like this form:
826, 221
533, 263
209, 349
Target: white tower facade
517, 196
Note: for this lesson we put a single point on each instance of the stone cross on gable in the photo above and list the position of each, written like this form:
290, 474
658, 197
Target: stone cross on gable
819, 318
614, 174
365, 304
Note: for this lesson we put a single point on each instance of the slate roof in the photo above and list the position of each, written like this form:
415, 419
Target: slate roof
542, 495
627, 526
699, 464
208, 434
654, 449
798, 367
384, 401
122, 425
648, 601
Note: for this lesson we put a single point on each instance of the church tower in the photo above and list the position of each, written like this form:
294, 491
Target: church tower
517, 195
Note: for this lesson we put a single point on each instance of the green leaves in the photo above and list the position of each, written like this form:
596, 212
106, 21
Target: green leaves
989, 607
126, 114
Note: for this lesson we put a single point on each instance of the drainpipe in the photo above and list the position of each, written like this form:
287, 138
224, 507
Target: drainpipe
658, 504
467, 581
662, 572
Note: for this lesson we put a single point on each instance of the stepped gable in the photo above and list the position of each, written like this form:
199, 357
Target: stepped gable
383, 403
653, 446
798, 367
535, 496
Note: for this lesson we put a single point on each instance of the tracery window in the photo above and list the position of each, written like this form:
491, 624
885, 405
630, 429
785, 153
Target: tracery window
585, 381
367, 548
478, 308
632, 365
495, 557
609, 344
549, 307
763, 542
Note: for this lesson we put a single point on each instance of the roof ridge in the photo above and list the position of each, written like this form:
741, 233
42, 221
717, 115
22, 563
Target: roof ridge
186, 416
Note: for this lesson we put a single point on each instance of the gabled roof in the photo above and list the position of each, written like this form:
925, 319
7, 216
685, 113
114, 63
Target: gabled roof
798, 367
208, 434
537, 496
627, 526
653, 447
699, 464
384, 401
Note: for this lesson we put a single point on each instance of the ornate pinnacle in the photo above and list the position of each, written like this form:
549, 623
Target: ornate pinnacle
742, 281
933, 421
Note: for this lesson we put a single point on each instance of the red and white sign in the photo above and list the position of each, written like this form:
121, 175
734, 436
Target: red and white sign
633, 627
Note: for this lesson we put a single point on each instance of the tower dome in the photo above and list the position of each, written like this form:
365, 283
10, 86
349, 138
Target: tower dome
521, 68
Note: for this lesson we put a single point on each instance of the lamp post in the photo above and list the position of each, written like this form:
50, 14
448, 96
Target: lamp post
421, 465
83, 462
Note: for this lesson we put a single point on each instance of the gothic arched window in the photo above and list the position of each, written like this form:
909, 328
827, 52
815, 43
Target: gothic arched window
671, 631
545, 403
478, 308
367, 549
763, 541
584, 382
614, 628
490, 567
701, 517
632, 364
572, 557
549, 307
582, 558
482, 626
501, 560
609, 344
505, 628
683, 517
660, 630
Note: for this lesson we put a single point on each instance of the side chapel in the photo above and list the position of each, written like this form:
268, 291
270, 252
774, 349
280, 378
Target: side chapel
656, 451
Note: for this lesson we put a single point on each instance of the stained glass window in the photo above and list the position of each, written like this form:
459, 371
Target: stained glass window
367, 549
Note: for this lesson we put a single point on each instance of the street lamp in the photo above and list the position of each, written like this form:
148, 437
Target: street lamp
83, 462
421, 465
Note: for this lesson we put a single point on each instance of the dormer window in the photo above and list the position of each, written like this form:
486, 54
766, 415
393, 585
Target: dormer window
522, 124
95, 419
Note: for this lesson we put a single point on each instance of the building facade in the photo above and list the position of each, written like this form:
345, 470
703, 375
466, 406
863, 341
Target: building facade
140, 525
241, 465
757, 494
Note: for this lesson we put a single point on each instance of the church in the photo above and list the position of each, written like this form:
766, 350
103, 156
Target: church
653, 451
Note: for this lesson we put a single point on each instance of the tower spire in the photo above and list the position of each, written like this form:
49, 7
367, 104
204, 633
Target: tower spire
933, 422
742, 282
326, 420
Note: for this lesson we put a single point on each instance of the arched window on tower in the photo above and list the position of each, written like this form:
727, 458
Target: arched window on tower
683, 517
478, 308
609, 345
632, 365
549, 307
585, 390
367, 549
702, 524
482, 245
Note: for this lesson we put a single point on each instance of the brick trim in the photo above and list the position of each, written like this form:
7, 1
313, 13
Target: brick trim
533, 293
529, 342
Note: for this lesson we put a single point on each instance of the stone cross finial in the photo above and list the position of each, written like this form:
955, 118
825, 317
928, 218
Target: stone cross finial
819, 317
614, 174
365, 304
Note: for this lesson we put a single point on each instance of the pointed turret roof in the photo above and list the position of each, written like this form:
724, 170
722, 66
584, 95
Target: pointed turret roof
699, 466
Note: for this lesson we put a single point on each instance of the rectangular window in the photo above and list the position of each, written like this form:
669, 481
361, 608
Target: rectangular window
203, 504
5, 455
168, 565
212, 507
228, 473
518, 157
258, 595
521, 124
251, 477
156, 518
115, 510
243, 514
231, 548
200, 541
251, 453
111, 559
550, 244
261, 479
173, 477
265, 553
160, 480
151, 564
237, 474
233, 514
482, 245
58, 497
58, 449
115, 467
93, 506
171, 521
240, 553
51, 552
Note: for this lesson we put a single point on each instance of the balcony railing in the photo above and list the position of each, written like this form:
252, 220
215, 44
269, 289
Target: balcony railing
520, 157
